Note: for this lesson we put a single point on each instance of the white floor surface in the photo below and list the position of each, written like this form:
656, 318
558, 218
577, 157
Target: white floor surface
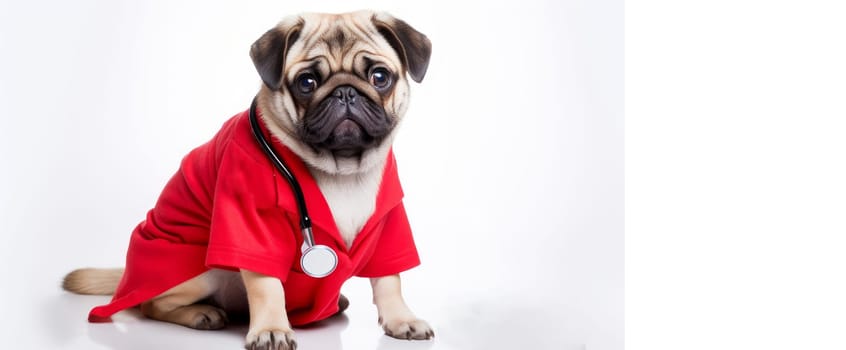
44, 317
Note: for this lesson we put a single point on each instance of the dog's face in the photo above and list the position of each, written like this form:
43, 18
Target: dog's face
335, 85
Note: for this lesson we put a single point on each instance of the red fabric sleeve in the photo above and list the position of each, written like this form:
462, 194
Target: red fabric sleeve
248, 230
395, 251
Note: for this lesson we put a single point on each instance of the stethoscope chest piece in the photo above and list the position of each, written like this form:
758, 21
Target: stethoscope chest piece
318, 260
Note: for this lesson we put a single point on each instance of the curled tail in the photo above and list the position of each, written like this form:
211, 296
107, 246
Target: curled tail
93, 281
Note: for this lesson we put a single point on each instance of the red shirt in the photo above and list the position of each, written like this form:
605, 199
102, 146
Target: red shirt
228, 208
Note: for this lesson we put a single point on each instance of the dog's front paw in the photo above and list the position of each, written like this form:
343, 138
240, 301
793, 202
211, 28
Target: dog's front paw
271, 339
407, 328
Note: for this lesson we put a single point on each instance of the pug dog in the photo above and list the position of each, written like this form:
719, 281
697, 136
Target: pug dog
223, 238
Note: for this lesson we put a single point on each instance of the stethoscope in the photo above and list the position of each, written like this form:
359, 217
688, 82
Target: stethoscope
317, 260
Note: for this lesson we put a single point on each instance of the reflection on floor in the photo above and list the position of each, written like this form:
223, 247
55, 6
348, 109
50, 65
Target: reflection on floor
465, 324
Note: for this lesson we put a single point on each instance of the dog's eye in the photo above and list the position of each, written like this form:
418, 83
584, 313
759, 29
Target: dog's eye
306, 83
380, 78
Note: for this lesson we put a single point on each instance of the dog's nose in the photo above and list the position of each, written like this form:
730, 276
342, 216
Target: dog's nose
346, 94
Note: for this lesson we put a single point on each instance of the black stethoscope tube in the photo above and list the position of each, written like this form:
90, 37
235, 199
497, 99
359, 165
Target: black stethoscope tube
317, 260
305, 220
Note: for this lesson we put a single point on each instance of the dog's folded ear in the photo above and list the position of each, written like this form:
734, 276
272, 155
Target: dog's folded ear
269, 51
412, 46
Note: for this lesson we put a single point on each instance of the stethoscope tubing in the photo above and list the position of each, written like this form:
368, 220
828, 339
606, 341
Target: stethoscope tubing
279, 164
316, 260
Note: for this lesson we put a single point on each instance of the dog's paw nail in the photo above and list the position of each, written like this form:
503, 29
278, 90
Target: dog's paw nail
276, 339
414, 329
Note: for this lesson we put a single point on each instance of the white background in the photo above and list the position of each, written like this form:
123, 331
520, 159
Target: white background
735, 174
511, 159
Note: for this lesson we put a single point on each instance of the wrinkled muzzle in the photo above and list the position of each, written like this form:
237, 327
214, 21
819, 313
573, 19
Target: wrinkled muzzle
345, 122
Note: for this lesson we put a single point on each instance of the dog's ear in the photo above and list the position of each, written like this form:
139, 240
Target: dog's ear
412, 46
269, 51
